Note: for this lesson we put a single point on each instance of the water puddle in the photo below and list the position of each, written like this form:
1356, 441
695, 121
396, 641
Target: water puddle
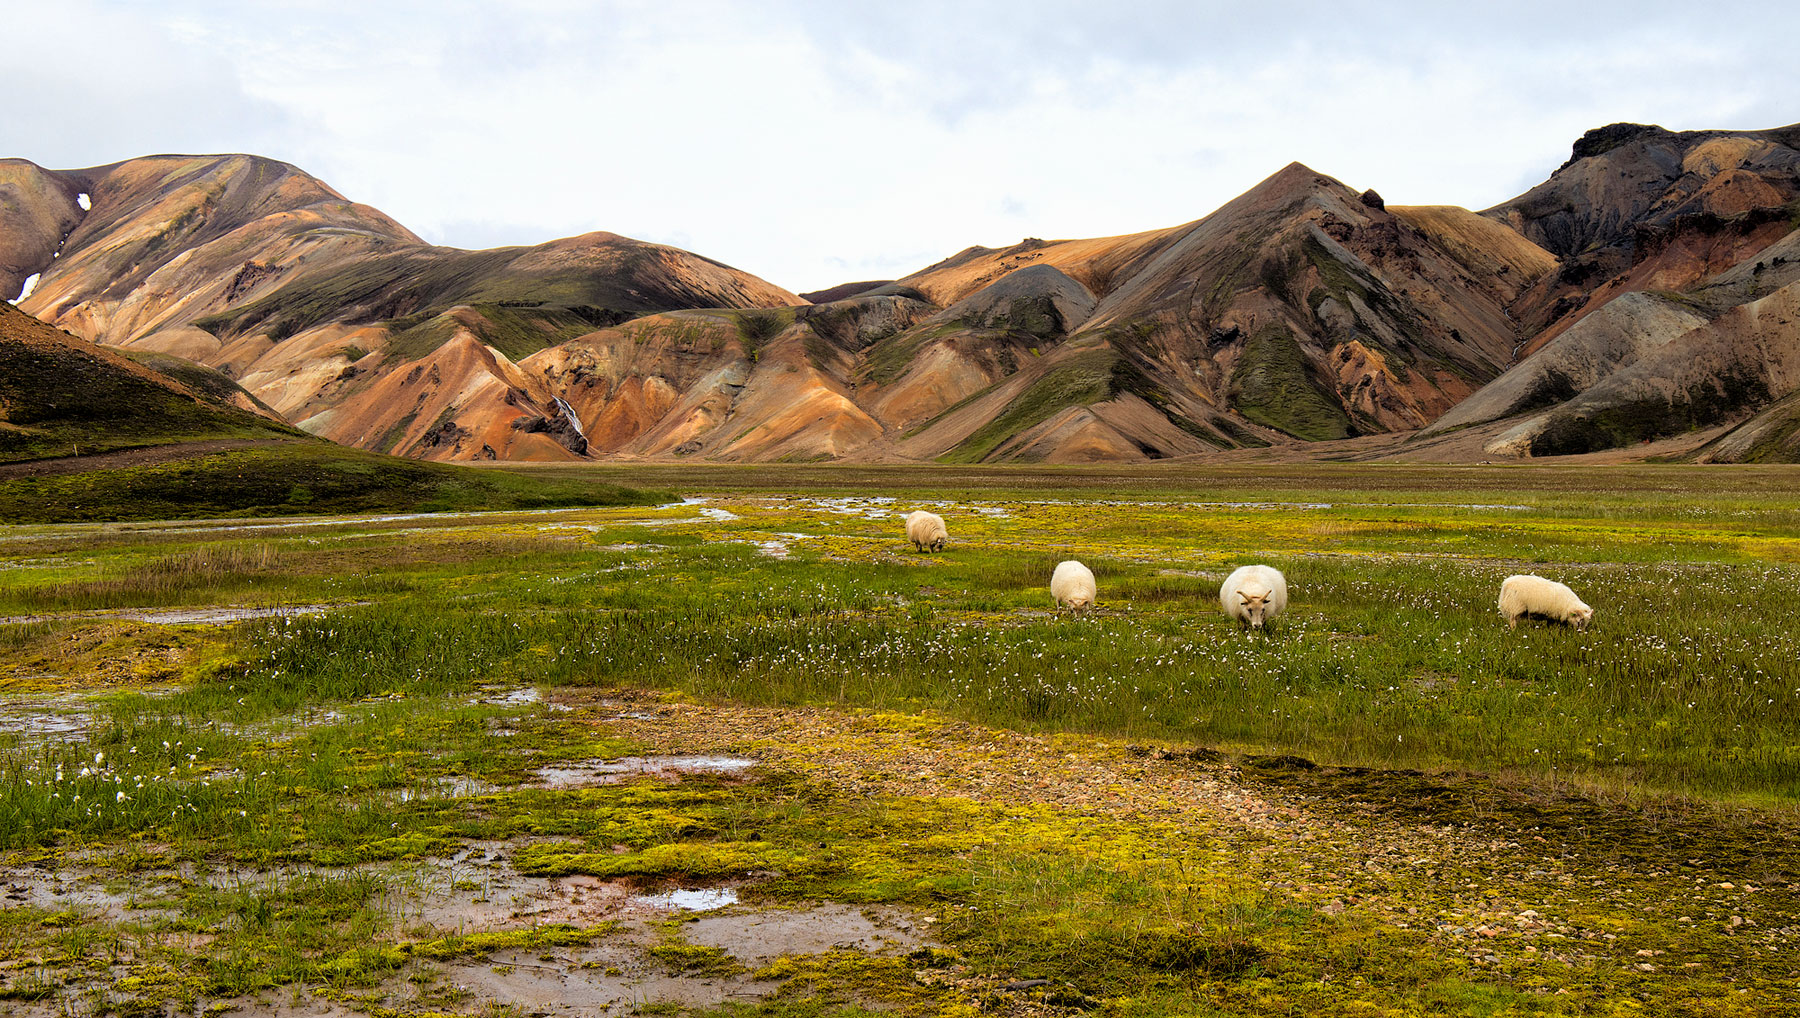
878, 507
186, 616
217, 616
477, 889
521, 697
455, 786
82, 892
698, 899
53, 719
605, 772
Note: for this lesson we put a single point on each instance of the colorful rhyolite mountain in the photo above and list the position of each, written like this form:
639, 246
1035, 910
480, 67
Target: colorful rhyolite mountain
1646, 289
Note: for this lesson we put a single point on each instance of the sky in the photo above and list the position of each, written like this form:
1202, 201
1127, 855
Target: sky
814, 143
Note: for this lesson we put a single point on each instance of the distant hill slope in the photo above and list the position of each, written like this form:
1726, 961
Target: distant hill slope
1638, 292
307, 299
1637, 207
61, 396
89, 434
1699, 322
1299, 310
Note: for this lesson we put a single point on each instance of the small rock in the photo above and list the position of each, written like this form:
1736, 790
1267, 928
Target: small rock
1371, 199
1026, 984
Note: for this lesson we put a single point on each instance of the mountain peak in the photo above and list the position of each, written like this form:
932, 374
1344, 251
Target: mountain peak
1601, 140
1295, 180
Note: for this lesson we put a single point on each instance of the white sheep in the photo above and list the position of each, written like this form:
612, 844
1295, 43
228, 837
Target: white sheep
926, 530
1533, 595
1254, 595
1072, 584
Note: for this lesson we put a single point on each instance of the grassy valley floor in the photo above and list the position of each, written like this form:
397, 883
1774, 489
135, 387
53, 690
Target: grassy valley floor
748, 753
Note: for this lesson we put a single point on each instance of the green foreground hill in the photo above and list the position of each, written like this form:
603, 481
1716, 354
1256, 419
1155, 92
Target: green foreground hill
60, 396
89, 435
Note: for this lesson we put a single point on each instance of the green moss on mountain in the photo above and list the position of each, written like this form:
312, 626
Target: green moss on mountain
1090, 377
511, 329
1274, 385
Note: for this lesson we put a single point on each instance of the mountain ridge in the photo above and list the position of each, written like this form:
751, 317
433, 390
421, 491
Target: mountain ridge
1301, 310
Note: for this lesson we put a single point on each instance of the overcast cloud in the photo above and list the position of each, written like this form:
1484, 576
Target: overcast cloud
817, 142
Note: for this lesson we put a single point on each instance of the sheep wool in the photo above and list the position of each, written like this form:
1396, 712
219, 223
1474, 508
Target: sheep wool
1534, 595
1254, 594
1072, 584
926, 530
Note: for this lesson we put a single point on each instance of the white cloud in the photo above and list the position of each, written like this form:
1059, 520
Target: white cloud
811, 143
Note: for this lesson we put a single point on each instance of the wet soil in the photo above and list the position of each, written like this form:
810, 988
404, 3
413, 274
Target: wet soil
478, 890
1497, 874
1657, 836
605, 772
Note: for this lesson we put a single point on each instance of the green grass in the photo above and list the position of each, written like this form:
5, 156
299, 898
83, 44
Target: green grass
226, 794
1392, 654
298, 478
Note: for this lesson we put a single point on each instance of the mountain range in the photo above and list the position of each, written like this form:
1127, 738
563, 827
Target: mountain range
1646, 289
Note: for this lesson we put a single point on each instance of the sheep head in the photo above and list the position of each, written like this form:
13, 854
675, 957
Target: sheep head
1255, 607
1580, 617
1079, 602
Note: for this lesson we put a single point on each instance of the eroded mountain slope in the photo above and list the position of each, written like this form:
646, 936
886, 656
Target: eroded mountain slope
255, 268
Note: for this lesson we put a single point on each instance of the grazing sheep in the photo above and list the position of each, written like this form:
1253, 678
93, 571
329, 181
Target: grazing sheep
926, 530
1254, 594
1533, 595
1072, 584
